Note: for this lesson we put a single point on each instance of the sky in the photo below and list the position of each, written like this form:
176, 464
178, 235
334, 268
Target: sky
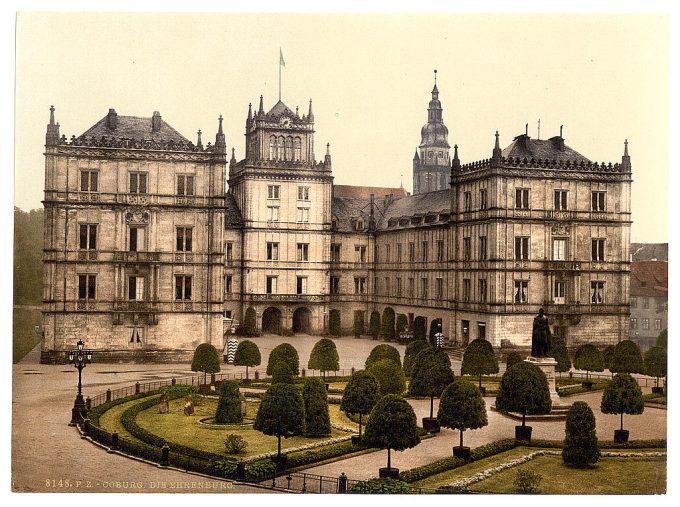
604, 77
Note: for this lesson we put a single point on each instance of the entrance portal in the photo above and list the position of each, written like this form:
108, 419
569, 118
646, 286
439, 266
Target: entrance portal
271, 320
301, 321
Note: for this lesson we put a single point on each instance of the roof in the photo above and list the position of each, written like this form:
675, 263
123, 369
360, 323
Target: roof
346, 210
649, 251
365, 192
545, 149
232, 215
437, 202
279, 109
649, 278
134, 127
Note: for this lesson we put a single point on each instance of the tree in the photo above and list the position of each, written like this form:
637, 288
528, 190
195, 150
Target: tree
28, 251
558, 350
281, 413
588, 358
389, 375
282, 374
524, 389
580, 442
462, 407
247, 354
206, 360
229, 405
430, 375
334, 326
317, 420
250, 322
662, 340
479, 359
412, 350
387, 331
360, 395
374, 324
607, 356
383, 351
419, 324
324, 357
359, 325
656, 363
512, 359
286, 353
392, 425
402, 324
622, 396
627, 358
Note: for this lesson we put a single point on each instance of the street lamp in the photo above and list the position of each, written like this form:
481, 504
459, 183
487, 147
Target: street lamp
79, 358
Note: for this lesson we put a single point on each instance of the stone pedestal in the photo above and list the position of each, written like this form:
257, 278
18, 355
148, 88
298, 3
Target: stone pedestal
547, 366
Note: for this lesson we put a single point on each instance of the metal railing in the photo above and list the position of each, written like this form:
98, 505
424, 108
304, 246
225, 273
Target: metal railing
642, 380
322, 484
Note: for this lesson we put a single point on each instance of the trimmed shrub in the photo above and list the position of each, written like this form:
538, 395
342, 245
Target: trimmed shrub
588, 358
389, 375
524, 389
360, 395
229, 405
419, 324
558, 350
249, 327
462, 407
206, 360
281, 374
401, 325
412, 350
324, 357
301, 458
235, 444
656, 362
383, 351
281, 413
608, 356
479, 359
317, 420
286, 353
662, 340
382, 486
248, 355
580, 442
627, 358
374, 325
512, 359
359, 325
527, 482
622, 396
387, 331
334, 326
430, 375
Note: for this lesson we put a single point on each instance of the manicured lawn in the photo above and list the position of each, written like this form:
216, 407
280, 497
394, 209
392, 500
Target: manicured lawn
339, 417
632, 476
110, 420
23, 330
185, 430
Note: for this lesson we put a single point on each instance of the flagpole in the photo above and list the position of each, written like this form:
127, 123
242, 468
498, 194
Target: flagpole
279, 74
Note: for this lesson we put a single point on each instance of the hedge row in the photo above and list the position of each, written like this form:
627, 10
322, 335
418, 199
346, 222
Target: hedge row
301, 458
571, 390
95, 413
604, 444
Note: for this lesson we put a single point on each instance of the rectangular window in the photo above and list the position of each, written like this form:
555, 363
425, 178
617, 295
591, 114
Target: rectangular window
559, 289
272, 251
521, 248
87, 286
481, 330
440, 250
560, 200
633, 323
465, 327
387, 253
273, 192
482, 199
522, 198
598, 201
136, 239
423, 288
182, 287
399, 288
467, 249
303, 215
559, 249
229, 251
645, 324
88, 237
633, 302
335, 252
301, 285
273, 213
360, 253
398, 252
387, 286
597, 249
302, 252
439, 288
411, 287
359, 285
482, 290
597, 293
89, 181
467, 290
645, 303
228, 285
424, 250
482, 248
303, 193
657, 324
467, 201
185, 184
411, 252
272, 282
184, 239
138, 183
335, 285
521, 291
135, 288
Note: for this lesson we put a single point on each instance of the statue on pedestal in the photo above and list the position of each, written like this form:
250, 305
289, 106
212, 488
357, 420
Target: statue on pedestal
540, 336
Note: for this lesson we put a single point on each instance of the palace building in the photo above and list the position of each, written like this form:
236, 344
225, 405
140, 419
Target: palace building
146, 256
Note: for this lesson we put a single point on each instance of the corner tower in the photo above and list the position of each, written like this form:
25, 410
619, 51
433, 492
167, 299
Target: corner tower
431, 167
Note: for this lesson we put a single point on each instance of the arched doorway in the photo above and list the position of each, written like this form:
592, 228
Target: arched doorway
301, 320
271, 321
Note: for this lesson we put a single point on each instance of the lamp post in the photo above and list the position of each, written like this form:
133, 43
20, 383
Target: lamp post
79, 358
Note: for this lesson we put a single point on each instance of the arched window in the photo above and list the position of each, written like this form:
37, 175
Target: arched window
297, 153
289, 148
282, 148
272, 148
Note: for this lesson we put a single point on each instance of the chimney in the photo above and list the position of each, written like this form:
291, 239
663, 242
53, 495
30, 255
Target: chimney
112, 119
156, 122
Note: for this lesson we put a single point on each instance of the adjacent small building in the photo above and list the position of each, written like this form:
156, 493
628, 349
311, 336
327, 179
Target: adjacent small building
648, 301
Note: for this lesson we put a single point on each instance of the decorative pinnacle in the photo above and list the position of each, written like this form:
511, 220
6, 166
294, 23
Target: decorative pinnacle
220, 129
455, 151
261, 109
51, 115
198, 143
250, 111
497, 143
625, 148
435, 76
328, 148
310, 115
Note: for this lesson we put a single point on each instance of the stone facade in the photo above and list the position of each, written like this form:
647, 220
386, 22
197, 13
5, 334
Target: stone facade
648, 301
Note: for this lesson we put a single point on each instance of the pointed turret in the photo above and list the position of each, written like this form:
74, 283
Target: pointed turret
232, 161
250, 113
625, 160
327, 158
310, 114
455, 163
52, 135
416, 158
199, 143
260, 111
497, 154
220, 141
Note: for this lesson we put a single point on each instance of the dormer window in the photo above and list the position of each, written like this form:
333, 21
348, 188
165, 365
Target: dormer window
359, 224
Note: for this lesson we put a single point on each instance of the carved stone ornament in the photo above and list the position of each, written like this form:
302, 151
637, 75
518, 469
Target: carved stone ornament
560, 229
136, 216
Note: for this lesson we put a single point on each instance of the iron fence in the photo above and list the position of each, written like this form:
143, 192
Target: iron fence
323, 484
642, 380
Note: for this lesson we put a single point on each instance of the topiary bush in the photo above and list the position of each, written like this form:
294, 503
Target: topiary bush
580, 442
249, 327
627, 358
512, 359
524, 389
383, 351
374, 325
324, 357
622, 396
360, 395
588, 358
558, 350
281, 413
317, 420
662, 340
480, 359
235, 444
284, 353
387, 330
248, 355
359, 325
656, 362
431, 374
334, 326
229, 405
206, 360
462, 407
401, 325
608, 356
389, 375
412, 350
419, 324
282, 374
381, 487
